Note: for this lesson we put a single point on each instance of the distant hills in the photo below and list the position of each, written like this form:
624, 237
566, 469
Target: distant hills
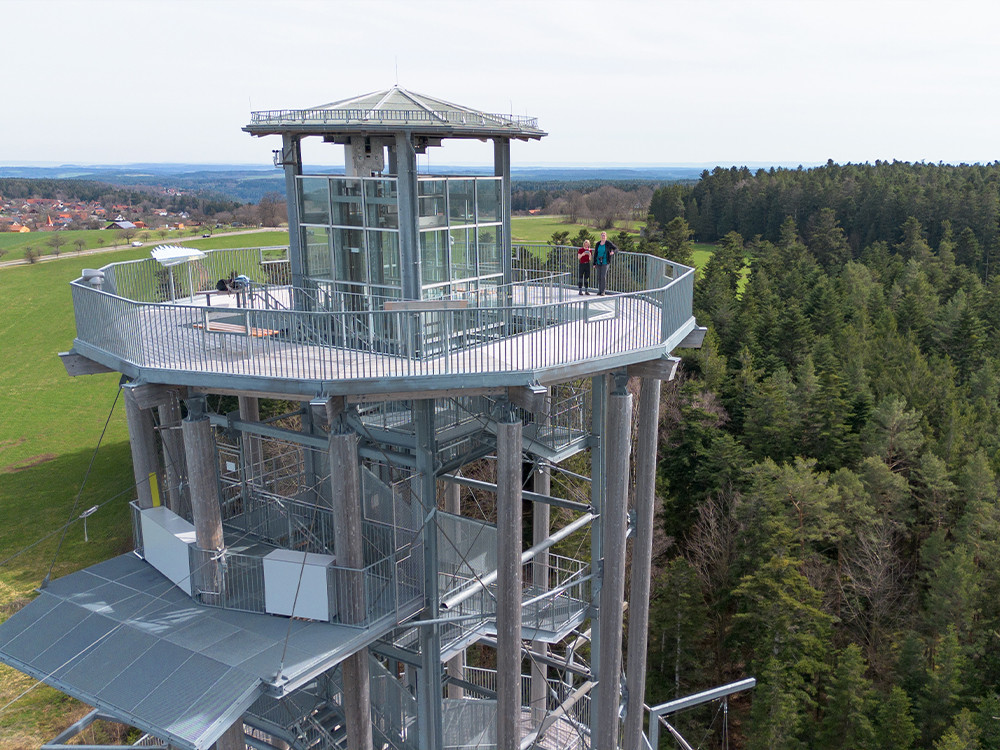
249, 183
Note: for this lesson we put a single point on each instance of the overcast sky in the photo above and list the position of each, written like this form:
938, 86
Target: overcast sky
620, 81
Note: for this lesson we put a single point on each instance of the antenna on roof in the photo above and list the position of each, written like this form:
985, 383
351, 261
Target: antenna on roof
396, 62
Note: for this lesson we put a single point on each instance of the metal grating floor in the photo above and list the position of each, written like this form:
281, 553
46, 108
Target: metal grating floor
121, 637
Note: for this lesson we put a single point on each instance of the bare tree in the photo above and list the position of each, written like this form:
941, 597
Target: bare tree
576, 207
80, 244
874, 594
56, 241
125, 234
712, 551
269, 209
606, 205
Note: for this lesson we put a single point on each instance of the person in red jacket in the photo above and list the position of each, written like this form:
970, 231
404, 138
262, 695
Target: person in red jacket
584, 255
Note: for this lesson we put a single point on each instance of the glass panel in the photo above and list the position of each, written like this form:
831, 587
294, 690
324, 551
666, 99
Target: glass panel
463, 253
488, 200
349, 253
433, 206
381, 203
489, 250
434, 256
438, 292
315, 200
383, 258
464, 290
346, 201
461, 201
318, 263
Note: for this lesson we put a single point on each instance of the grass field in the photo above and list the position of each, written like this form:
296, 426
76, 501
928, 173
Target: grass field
14, 244
50, 425
541, 228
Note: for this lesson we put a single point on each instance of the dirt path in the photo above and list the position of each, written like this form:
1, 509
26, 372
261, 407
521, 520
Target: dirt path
114, 248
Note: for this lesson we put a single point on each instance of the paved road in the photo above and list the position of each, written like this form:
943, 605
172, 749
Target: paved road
115, 248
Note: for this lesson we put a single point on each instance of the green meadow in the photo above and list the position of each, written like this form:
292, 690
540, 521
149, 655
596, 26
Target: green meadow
50, 429
541, 228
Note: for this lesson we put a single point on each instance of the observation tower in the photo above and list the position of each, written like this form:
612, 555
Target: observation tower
335, 467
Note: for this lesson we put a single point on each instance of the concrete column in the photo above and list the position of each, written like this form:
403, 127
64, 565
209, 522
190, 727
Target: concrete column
642, 554
540, 575
509, 583
173, 453
233, 739
456, 664
203, 487
613, 586
145, 461
345, 486
250, 412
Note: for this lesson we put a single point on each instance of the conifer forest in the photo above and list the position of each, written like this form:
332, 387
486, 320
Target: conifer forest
829, 458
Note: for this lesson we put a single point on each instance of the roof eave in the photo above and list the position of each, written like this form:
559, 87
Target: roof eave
377, 129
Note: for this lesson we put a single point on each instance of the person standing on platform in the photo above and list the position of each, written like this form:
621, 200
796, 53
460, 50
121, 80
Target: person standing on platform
602, 259
584, 255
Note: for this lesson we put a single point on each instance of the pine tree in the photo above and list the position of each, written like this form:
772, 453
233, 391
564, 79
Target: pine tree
894, 726
963, 734
942, 697
847, 716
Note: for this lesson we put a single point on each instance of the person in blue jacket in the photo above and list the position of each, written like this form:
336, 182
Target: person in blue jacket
603, 252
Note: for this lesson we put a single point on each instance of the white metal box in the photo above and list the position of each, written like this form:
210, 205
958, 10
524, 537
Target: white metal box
282, 569
165, 540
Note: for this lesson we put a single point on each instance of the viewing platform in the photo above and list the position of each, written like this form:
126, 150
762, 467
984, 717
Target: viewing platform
536, 329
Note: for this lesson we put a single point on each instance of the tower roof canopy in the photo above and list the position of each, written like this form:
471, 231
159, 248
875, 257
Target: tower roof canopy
391, 111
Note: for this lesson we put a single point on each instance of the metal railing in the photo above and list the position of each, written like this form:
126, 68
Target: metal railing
383, 593
359, 115
394, 709
535, 325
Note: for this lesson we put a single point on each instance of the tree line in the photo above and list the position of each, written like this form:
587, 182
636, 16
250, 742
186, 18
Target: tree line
829, 465
870, 202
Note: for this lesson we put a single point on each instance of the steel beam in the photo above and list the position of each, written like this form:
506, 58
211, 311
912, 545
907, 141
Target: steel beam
534, 497
77, 364
291, 161
692, 700
456, 664
409, 231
